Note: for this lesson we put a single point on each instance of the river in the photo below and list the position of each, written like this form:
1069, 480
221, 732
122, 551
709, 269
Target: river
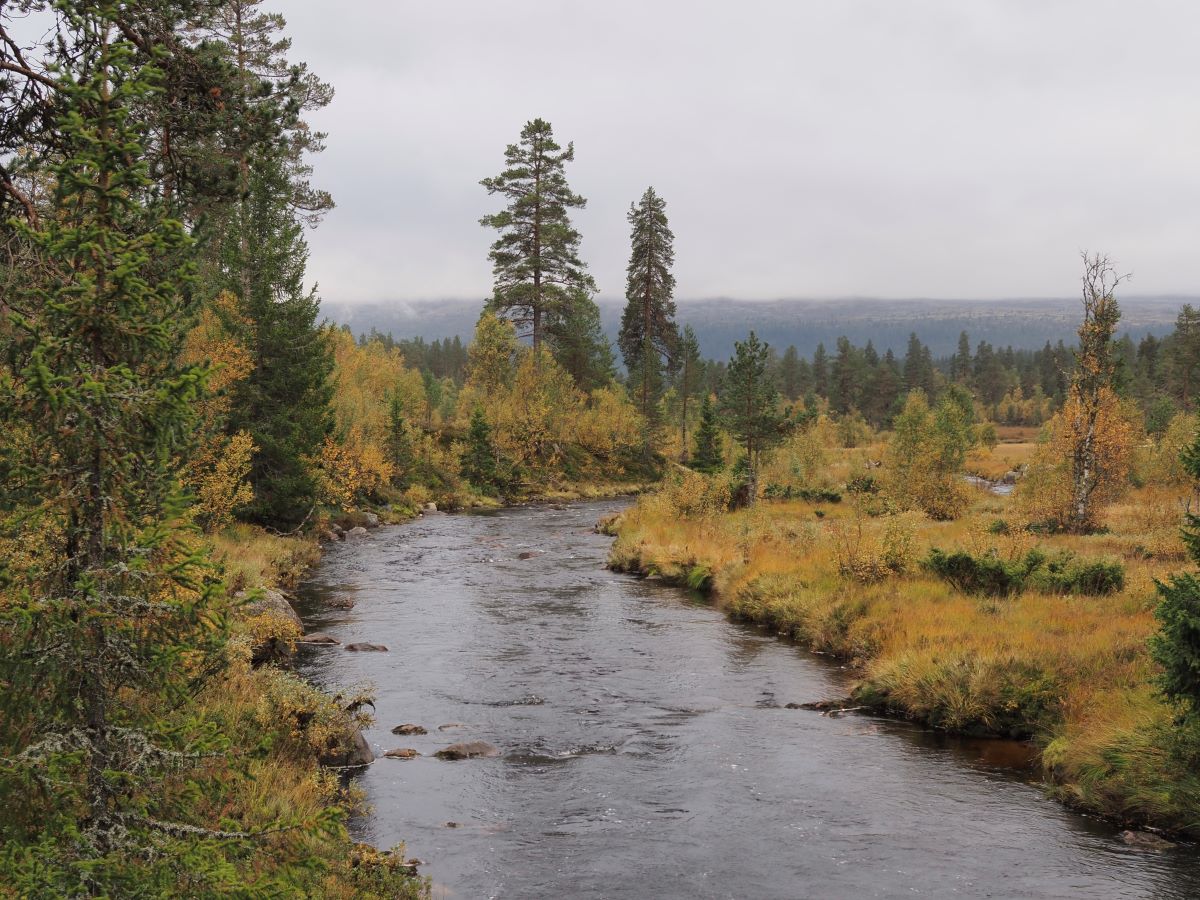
646, 750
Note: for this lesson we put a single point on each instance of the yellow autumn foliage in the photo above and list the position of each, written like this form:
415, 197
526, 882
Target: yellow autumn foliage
217, 471
1044, 494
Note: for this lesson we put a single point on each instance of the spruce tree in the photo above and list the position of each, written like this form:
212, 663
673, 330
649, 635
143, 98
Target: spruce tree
479, 463
1177, 645
649, 337
820, 371
538, 277
688, 381
579, 345
750, 405
709, 456
284, 403
789, 374
111, 625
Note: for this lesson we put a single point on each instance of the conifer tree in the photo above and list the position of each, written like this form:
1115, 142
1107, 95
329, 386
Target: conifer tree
649, 337
538, 277
688, 380
820, 371
284, 403
750, 405
479, 464
580, 346
115, 624
1177, 645
789, 374
709, 457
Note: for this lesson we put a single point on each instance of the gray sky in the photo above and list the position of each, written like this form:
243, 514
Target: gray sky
893, 148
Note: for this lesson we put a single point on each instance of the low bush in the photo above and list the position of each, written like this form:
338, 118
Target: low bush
810, 495
989, 575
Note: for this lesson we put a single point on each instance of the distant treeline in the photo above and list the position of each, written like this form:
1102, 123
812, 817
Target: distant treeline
1015, 386
1021, 324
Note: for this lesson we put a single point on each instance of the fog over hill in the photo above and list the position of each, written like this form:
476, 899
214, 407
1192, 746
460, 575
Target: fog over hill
1025, 323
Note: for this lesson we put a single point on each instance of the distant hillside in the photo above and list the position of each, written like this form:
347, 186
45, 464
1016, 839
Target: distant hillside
1026, 324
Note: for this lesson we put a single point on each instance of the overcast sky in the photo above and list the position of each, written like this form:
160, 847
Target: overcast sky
892, 148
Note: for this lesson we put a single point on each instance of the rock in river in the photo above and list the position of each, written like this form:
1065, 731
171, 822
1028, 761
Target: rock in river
356, 532
371, 520
358, 754
409, 728
365, 647
319, 637
1145, 840
468, 750
402, 753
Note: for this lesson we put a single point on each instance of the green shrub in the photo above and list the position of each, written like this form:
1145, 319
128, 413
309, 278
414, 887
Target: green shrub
811, 495
991, 576
1065, 574
863, 484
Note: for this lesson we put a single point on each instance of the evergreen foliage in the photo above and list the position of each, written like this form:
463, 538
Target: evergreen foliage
539, 279
117, 590
284, 402
750, 404
709, 456
479, 463
1177, 645
649, 337
688, 381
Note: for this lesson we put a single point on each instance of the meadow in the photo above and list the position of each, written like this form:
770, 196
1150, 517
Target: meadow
1068, 671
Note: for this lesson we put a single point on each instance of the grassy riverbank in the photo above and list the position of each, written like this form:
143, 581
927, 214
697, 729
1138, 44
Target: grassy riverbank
1070, 672
285, 727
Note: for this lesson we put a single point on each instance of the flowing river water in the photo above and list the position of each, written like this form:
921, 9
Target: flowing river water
646, 750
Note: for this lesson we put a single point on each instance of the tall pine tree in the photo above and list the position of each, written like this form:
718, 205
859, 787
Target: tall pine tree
649, 337
539, 281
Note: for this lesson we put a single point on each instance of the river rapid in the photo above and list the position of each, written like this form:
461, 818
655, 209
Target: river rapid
646, 750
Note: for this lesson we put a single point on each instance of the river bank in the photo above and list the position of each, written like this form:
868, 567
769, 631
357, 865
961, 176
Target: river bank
310, 733
644, 744
1070, 673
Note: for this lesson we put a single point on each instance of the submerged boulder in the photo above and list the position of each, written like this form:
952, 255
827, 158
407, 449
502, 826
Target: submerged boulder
319, 637
468, 750
409, 728
365, 647
402, 753
1145, 840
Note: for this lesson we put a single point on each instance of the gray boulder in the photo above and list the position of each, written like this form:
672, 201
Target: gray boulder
402, 753
468, 750
319, 637
371, 520
1145, 840
409, 728
359, 753
356, 532
365, 647
271, 601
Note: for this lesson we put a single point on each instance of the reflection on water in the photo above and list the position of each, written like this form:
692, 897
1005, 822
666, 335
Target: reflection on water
645, 747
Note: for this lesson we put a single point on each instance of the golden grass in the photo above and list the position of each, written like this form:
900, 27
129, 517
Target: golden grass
1074, 673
